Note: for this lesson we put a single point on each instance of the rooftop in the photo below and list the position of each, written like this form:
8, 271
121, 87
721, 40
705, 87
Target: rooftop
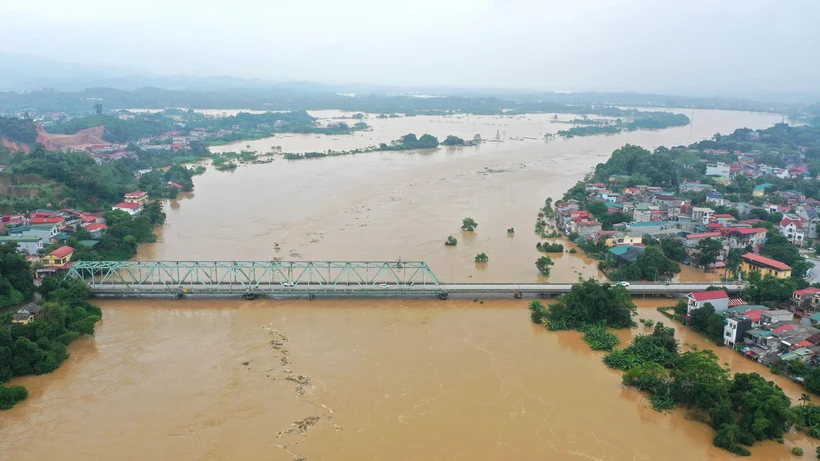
126, 205
703, 235
748, 231
764, 261
62, 252
709, 295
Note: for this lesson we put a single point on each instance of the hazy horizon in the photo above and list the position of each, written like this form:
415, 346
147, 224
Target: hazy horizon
695, 47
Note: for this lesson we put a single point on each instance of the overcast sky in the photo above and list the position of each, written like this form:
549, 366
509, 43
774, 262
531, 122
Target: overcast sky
672, 46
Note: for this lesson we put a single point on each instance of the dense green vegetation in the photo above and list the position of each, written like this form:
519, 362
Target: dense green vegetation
116, 129
482, 258
705, 320
653, 264
79, 182
16, 129
641, 121
543, 265
548, 247
590, 303
599, 338
410, 142
742, 409
468, 224
16, 281
451, 241
452, 141
242, 126
39, 347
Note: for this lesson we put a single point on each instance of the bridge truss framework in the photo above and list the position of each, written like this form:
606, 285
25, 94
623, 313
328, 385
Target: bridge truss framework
250, 277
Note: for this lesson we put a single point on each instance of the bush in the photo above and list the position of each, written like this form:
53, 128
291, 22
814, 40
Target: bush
622, 359
10, 395
547, 247
599, 339
451, 241
797, 451
539, 312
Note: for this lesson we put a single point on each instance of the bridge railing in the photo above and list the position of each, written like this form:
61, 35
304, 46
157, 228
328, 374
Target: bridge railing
249, 275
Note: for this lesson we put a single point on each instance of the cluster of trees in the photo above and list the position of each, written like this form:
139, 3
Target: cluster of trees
75, 180
548, 247
543, 265
601, 212
641, 121
653, 264
706, 321
116, 129
743, 408
85, 184
119, 242
452, 141
16, 281
22, 130
411, 142
243, 125
588, 303
39, 347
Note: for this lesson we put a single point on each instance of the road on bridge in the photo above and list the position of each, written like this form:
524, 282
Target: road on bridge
445, 289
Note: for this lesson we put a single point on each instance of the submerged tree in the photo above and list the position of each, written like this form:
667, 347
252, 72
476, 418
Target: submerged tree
451, 241
543, 264
468, 224
482, 258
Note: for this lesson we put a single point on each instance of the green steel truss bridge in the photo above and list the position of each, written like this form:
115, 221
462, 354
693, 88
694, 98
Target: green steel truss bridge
255, 278
252, 279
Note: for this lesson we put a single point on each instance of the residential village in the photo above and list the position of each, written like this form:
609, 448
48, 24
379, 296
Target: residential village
38, 230
173, 141
660, 213
775, 335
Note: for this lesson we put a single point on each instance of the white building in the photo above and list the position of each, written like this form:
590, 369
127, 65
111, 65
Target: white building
794, 229
717, 169
702, 215
27, 245
717, 298
128, 207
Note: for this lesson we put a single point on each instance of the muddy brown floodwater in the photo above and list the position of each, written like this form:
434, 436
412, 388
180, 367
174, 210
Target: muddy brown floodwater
368, 379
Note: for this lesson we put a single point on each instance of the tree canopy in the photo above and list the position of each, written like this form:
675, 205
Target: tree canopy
590, 303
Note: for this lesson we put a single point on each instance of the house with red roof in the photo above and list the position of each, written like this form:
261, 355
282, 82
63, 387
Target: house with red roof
804, 294
766, 266
794, 229
742, 237
717, 298
58, 258
130, 208
96, 229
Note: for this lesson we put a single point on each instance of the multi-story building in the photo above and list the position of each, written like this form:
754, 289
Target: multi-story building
766, 266
717, 169
741, 237
793, 228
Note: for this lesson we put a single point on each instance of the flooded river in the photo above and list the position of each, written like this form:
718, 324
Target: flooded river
371, 379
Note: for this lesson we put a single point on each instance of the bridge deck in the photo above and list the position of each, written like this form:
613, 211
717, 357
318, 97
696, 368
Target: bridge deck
311, 278
421, 290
